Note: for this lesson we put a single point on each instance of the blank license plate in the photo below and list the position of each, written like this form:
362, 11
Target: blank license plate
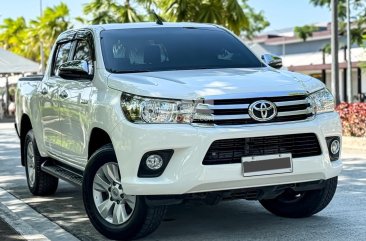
266, 165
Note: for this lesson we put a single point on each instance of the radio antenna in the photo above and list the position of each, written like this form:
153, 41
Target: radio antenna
159, 20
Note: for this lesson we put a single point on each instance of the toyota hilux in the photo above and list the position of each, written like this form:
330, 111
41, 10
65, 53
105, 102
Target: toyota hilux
147, 115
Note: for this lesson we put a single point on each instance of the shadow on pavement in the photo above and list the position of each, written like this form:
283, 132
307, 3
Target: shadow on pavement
7, 233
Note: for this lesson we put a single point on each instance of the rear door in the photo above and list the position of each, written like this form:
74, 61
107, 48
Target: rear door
50, 101
75, 105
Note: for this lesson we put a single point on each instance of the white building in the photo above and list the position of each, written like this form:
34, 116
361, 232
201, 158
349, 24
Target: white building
308, 57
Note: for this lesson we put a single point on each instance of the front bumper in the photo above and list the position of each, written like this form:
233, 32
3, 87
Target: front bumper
185, 172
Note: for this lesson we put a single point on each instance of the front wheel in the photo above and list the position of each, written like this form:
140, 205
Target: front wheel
113, 213
293, 204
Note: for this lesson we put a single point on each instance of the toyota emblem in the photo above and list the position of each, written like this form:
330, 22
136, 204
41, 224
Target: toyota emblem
262, 110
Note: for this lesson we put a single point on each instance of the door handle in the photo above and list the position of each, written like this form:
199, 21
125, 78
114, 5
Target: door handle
63, 94
44, 91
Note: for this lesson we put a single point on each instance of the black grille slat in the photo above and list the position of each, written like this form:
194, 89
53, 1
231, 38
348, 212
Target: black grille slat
230, 112
251, 100
232, 150
293, 107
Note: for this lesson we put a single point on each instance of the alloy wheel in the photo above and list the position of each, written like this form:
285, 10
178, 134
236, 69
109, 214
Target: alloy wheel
112, 203
31, 164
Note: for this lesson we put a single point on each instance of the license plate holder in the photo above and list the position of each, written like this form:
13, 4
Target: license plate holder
266, 165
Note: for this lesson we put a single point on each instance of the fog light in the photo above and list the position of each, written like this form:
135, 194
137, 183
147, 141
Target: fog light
335, 146
154, 162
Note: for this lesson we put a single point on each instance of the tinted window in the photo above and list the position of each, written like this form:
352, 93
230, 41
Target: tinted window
82, 51
62, 55
159, 49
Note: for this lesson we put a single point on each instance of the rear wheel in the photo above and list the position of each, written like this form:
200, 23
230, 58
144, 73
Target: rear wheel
39, 182
113, 213
293, 204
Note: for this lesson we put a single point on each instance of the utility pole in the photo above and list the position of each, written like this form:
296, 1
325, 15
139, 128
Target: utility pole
349, 59
334, 44
41, 42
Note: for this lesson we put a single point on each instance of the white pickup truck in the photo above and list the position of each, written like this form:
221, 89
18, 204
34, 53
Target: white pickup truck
146, 115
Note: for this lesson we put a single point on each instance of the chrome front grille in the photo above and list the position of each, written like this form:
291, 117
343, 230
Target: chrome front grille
236, 111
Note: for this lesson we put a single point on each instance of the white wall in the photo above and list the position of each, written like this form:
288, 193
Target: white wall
13, 79
363, 80
354, 82
328, 80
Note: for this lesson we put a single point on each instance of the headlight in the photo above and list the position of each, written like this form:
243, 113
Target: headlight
323, 101
140, 109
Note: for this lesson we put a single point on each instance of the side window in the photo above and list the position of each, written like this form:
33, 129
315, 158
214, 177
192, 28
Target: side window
83, 51
62, 55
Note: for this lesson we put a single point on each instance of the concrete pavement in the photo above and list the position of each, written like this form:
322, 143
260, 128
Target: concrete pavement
8, 233
344, 219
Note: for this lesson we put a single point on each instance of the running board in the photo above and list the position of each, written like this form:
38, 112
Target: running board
62, 172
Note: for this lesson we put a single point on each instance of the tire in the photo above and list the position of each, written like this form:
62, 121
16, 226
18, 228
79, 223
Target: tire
292, 204
39, 182
141, 220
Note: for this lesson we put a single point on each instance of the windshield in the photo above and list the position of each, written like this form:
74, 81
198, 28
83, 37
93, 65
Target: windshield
178, 48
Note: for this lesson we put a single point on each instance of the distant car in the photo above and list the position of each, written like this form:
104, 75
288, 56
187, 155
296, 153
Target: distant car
148, 115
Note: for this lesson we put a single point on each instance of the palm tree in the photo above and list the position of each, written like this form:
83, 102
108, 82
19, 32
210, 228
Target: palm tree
236, 15
305, 31
47, 28
127, 14
110, 11
13, 34
25, 39
100, 11
178, 10
236, 19
228, 13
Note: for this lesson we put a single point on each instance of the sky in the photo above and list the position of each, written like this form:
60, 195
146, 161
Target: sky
280, 13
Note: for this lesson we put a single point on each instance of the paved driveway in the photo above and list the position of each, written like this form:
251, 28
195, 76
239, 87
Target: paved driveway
344, 219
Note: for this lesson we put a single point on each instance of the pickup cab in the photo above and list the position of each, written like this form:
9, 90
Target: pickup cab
148, 115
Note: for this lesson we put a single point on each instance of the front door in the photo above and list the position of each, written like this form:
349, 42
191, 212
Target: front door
50, 102
75, 108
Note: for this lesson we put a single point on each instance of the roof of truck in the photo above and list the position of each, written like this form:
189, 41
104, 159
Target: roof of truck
69, 34
149, 25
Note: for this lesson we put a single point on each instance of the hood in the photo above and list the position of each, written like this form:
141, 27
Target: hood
214, 83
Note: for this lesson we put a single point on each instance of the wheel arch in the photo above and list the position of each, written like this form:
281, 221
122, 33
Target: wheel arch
98, 138
24, 128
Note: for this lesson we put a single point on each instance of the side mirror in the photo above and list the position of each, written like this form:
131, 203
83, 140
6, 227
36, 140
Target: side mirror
272, 60
75, 70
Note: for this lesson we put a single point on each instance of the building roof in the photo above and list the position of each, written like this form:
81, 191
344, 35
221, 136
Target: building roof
287, 36
314, 60
11, 63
